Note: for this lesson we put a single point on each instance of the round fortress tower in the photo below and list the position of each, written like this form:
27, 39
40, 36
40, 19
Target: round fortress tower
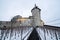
36, 16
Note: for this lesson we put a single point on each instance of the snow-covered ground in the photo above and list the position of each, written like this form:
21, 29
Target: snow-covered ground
15, 34
20, 34
48, 34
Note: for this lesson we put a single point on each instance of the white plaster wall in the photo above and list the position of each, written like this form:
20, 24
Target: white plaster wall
26, 23
6, 23
36, 16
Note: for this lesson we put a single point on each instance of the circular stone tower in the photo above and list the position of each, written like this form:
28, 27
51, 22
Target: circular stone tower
36, 16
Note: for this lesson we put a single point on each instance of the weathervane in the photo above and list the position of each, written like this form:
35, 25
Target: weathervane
35, 5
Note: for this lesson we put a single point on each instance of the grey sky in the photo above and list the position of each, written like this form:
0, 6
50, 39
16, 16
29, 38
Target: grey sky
50, 9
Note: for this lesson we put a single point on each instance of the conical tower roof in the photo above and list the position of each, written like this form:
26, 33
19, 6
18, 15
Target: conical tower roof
36, 7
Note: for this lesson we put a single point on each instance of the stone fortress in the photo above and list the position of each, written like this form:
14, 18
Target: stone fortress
28, 28
34, 20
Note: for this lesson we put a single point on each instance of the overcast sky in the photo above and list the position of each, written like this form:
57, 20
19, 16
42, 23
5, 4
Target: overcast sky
50, 10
